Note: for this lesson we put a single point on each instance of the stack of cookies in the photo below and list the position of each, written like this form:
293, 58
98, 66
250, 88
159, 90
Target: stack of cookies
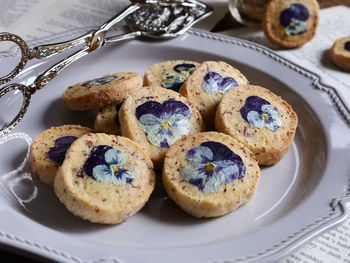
107, 174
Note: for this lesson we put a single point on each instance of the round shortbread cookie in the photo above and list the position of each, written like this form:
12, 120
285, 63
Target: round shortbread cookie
155, 118
107, 120
104, 178
169, 74
340, 53
48, 150
259, 119
210, 174
101, 92
208, 83
291, 23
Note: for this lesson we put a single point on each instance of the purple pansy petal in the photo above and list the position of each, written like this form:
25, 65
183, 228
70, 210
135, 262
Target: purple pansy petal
58, 152
169, 107
213, 82
295, 11
185, 68
347, 46
197, 182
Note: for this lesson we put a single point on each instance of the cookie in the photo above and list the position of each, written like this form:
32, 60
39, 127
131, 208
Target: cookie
107, 120
259, 119
291, 23
208, 83
169, 74
340, 53
101, 92
155, 118
210, 174
104, 178
48, 150
252, 8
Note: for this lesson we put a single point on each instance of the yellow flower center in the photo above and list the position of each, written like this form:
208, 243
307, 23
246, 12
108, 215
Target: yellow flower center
291, 24
266, 117
209, 167
115, 168
165, 125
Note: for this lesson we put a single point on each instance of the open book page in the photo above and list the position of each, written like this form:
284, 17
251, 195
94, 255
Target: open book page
334, 24
41, 18
332, 247
32, 19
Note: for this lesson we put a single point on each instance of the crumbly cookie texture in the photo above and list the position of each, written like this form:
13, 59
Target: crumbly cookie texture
340, 53
107, 120
101, 92
169, 74
40, 162
155, 118
104, 178
291, 23
259, 119
208, 83
210, 174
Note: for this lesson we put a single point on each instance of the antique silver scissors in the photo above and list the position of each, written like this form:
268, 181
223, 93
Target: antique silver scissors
149, 18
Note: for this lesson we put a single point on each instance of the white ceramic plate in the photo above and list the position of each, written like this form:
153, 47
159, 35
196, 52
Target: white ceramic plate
300, 197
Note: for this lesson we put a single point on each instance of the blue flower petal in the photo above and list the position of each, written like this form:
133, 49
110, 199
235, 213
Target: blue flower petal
113, 156
255, 119
102, 173
100, 81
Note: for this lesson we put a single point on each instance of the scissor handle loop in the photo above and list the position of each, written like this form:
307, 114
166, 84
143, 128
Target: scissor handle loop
27, 94
25, 55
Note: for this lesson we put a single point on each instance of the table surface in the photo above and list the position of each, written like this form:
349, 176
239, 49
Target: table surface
226, 23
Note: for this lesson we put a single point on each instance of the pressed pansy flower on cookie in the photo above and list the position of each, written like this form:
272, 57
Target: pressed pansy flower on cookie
108, 165
155, 118
164, 123
169, 74
58, 151
291, 23
208, 83
104, 178
209, 174
101, 92
49, 150
211, 165
100, 81
293, 19
260, 113
340, 53
259, 119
